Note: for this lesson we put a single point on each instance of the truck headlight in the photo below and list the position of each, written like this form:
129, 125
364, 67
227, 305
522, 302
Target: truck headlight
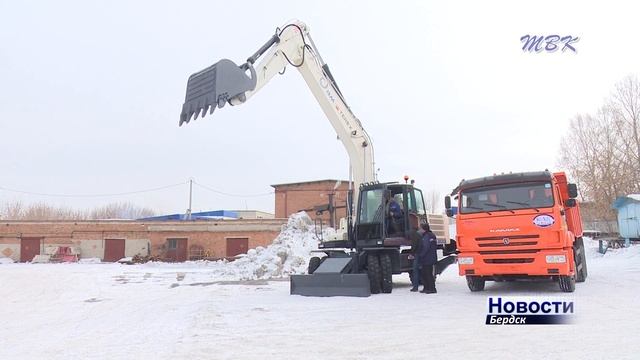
555, 259
465, 260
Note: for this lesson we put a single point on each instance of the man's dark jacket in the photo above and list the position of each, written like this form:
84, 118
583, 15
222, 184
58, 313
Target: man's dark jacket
427, 254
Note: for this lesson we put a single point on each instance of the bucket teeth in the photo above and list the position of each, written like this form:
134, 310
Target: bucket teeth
212, 87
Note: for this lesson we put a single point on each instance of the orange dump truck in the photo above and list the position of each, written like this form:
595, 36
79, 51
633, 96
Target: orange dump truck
519, 226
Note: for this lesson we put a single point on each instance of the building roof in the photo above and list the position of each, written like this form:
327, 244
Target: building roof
311, 182
621, 201
204, 215
251, 214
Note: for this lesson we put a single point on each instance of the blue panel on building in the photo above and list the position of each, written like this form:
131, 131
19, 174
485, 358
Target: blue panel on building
204, 215
628, 208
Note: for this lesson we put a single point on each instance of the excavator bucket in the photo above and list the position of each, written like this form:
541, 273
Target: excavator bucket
331, 278
214, 86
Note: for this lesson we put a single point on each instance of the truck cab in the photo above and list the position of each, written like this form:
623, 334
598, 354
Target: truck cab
519, 226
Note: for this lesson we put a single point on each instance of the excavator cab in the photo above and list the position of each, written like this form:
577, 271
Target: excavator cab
387, 214
380, 243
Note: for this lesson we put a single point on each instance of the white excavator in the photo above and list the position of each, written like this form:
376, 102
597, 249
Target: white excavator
374, 244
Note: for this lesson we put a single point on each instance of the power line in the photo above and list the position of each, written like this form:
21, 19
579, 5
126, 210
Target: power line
232, 195
92, 195
134, 192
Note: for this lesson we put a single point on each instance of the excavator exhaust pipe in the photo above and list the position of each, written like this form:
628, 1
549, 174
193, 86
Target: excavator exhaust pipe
215, 86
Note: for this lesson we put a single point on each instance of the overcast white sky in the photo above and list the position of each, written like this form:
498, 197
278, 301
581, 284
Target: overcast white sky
91, 91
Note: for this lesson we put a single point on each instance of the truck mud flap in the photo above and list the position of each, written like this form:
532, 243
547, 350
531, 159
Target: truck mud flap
330, 285
443, 263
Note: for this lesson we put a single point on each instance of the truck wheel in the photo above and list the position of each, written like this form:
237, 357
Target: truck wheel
567, 283
375, 273
580, 259
387, 273
475, 283
314, 263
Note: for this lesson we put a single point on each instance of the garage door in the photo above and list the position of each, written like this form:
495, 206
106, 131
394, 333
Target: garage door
113, 250
177, 250
29, 248
237, 246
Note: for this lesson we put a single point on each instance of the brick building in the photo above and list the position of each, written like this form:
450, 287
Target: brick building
171, 238
311, 196
113, 240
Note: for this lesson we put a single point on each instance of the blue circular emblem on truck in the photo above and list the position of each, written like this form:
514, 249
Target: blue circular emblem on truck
543, 220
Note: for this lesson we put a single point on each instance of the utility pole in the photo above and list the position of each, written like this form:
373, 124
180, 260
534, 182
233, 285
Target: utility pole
190, 198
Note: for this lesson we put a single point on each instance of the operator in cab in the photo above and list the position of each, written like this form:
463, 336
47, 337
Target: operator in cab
393, 212
427, 258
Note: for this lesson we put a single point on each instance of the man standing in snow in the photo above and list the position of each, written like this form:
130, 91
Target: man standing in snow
427, 258
416, 237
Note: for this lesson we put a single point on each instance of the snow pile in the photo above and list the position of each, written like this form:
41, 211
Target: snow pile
288, 254
90, 261
6, 260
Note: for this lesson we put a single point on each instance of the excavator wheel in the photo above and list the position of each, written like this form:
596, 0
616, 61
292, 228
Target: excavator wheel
375, 273
567, 283
475, 283
314, 262
387, 273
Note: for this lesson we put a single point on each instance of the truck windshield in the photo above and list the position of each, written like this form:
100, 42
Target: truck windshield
507, 197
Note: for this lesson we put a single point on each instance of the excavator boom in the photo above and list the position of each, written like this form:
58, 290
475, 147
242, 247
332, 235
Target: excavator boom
228, 83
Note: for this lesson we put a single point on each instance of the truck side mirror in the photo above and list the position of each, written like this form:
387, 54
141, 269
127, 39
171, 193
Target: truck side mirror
572, 189
570, 203
447, 203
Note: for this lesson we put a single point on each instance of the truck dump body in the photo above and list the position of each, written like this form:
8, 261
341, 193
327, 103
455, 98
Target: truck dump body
524, 225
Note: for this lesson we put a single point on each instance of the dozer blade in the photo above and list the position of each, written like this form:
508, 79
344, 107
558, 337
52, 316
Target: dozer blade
444, 263
214, 86
330, 285
331, 278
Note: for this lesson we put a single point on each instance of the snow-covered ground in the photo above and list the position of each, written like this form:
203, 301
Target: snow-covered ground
198, 311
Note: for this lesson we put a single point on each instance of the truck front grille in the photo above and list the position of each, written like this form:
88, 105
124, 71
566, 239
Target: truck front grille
511, 243
511, 237
500, 252
509, 261
507, 241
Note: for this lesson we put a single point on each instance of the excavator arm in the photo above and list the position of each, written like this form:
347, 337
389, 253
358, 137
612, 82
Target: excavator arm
227, 83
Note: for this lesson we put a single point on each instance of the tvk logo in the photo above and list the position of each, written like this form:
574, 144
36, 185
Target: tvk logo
551, 43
